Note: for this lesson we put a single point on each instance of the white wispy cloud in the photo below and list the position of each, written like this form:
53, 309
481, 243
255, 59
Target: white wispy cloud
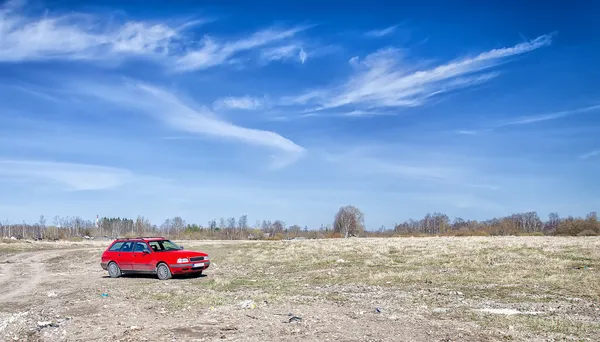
382, 32
69, 176
380, 160
80, 36
192, 118
213, 52
525, 120
83, 36
243, 102
590, 154
533, 119
384, 79
303, 55
352, 113
284, 52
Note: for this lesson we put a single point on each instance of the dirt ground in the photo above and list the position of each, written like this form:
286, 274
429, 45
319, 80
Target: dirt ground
403, 289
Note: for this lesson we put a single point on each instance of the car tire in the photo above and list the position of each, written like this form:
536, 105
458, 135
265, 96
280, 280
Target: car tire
163, 272
114, 271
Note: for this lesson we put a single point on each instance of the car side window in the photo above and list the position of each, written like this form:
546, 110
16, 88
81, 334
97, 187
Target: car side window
127, 247
141, 247
116, 246
155, 246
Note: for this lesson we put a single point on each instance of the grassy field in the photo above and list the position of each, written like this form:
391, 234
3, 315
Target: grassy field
413, 289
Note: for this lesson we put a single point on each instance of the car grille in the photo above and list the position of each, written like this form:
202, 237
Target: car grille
197, 259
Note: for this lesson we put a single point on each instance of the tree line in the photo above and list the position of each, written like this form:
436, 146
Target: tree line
347, 222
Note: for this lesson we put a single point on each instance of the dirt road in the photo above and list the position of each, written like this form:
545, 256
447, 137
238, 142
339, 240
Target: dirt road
57, 295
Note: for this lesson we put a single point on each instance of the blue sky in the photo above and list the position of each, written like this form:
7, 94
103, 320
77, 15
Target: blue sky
208, 110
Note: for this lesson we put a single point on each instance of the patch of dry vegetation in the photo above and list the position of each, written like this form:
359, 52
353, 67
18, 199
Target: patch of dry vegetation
488, 288
555, 276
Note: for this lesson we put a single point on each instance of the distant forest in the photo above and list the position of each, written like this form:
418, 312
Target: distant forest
346, 223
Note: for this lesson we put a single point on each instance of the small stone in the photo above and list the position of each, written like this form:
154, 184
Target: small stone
440, 310
295, 319
247, 304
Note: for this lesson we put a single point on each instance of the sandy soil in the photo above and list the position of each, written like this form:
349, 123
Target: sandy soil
431, 289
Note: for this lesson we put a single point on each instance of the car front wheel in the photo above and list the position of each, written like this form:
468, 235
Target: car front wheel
114, 270
163, 272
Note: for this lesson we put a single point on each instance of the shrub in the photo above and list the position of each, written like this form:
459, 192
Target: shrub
587, 232
334, 235
467, 233
531, 234
276, 237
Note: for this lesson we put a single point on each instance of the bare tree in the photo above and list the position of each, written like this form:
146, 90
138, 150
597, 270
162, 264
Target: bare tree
42, 227
230, 230
5, 226
178, 225
222, 224
553, 222
278, 227
142, 225
349, 220
294, 230
166, 226
242, 226
212, 225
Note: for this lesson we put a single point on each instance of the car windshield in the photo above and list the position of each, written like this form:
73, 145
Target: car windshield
163, 246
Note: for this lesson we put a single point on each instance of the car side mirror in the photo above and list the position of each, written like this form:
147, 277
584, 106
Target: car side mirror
146, 252
180, 247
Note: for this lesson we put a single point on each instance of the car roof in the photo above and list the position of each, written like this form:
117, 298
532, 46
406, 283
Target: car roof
150, 238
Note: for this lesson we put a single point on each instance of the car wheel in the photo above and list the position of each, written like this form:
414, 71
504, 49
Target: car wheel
114, 270
163, 272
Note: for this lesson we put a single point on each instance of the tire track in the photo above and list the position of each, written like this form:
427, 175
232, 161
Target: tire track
34, 264
6, 273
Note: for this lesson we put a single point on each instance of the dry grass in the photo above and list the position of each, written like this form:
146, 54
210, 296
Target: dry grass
547, 287
555, 276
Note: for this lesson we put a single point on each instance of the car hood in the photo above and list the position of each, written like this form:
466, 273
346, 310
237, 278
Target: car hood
185, 253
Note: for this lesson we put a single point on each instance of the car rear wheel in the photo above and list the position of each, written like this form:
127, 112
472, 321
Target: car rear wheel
163, 272
114, 270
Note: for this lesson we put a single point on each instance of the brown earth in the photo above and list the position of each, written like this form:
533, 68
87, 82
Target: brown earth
405, 289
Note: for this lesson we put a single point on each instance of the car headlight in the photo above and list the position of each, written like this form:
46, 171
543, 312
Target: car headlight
182, 260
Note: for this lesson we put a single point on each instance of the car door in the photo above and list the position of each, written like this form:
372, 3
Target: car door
142, 258
111, 253
125, 256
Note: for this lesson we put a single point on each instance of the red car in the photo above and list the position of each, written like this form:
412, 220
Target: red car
152, 255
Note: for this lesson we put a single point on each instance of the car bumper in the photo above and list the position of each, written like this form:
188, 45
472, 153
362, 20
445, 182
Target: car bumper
189, 267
